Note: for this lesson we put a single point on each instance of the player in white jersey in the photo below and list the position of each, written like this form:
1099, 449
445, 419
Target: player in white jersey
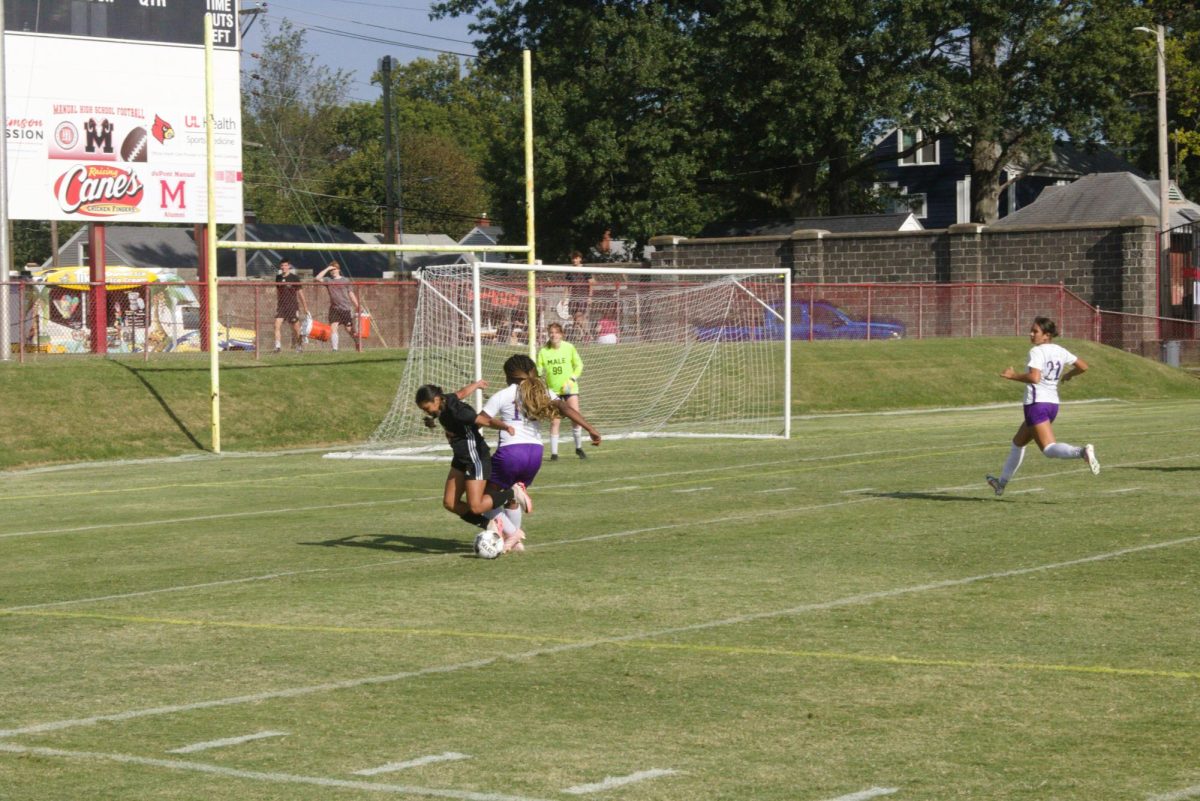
522, 405
1044, 371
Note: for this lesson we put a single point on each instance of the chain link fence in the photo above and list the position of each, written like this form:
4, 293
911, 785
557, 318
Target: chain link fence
154, 319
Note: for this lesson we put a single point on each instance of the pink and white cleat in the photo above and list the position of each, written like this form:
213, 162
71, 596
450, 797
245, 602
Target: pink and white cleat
512, 541
522, 497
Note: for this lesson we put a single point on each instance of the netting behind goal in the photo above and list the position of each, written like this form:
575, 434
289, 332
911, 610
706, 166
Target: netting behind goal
701, 355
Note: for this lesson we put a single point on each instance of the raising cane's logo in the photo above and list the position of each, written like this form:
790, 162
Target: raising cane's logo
98, 190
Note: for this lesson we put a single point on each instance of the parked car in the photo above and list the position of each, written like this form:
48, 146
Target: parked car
823, 320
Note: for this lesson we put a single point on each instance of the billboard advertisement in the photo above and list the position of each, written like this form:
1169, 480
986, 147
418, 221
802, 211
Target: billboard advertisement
106, 110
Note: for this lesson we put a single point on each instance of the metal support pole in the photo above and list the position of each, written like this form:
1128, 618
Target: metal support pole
389, 212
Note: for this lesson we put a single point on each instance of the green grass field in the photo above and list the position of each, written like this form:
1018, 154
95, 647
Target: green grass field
846, 615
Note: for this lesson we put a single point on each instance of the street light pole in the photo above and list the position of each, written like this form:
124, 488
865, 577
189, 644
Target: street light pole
1164, 177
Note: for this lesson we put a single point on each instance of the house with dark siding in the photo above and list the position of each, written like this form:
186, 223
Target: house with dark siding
934, 182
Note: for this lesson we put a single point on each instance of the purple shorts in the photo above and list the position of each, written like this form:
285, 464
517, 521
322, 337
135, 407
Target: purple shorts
517, 463
1039, 413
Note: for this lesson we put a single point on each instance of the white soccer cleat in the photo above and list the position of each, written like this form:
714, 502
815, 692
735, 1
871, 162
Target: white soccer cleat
996, 484
522, 498
1089, 454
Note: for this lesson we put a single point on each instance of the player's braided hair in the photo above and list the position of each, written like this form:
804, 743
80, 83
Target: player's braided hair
519, 369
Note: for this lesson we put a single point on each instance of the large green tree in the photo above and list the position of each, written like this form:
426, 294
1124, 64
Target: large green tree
1020, 73
289, 105
617, 118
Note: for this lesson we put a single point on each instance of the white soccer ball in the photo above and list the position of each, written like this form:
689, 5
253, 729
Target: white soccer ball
488, 545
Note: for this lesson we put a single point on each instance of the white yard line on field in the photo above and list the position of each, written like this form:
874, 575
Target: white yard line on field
619, 781
254, 775
863, 795
1177, 795
691, 489
393, 767
204, 518
819, 606
227, 741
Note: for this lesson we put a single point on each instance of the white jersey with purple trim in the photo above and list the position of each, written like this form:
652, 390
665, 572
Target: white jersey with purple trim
1051, 360
505, 406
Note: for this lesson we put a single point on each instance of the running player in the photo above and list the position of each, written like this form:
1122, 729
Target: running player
522, 405
471, 465
1044, 370
560, 367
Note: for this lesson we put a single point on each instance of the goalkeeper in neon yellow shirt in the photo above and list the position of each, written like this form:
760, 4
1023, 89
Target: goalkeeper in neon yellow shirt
559, 364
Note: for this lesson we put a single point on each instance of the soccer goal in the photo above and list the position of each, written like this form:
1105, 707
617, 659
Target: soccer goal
698, 353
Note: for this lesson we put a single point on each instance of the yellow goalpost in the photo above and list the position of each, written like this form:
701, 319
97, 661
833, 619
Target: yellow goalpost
213, 244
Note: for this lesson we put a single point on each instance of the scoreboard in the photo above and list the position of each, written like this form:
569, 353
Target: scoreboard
164, 21
106, 110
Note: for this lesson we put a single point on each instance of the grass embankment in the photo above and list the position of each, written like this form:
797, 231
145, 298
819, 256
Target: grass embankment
80, 409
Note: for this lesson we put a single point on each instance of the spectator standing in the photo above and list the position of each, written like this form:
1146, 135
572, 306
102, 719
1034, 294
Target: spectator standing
579, 290
289, 300
343, 303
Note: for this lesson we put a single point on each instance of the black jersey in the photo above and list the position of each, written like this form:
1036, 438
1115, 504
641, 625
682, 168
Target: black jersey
471, 454
458, 419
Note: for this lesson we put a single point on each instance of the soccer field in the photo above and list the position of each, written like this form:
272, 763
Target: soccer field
850, 614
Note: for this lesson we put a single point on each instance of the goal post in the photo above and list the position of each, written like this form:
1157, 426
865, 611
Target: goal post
696, 353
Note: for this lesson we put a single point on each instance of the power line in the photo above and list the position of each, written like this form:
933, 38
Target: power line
373, 25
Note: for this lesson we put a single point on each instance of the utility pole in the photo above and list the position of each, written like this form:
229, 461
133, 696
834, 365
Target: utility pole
389, 223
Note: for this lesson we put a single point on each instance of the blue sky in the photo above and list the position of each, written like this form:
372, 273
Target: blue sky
354, 34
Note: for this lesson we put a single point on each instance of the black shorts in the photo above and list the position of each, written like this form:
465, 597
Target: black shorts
343, 316
472, 458
287, 311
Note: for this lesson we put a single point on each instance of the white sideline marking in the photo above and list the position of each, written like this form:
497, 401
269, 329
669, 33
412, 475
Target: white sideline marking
245, 738
1178, 795
819, 606
417, 560
860, 489
983, 408
202, 518
1026, 491
863, 795
617, 781
392, 767
780, 489
277, 778
620, 489
691, 489
1118, 491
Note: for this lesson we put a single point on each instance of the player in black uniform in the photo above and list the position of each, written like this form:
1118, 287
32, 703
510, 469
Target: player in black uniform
471, 465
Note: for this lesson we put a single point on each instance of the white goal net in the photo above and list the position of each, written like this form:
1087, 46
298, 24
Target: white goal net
698, 353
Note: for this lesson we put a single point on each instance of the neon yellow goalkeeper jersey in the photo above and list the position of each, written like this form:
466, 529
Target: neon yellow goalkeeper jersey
559, 365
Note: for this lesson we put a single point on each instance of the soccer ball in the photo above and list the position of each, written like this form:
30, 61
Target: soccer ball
488, 545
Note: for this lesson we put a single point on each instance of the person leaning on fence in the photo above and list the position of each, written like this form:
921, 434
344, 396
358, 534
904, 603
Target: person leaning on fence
343, 303
289, 300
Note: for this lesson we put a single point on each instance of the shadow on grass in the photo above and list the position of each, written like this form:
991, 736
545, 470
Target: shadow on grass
926, 496
166, 407
397, 543
1193, 469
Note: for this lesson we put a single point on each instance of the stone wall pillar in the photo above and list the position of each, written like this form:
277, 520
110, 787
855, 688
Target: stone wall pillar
808, 256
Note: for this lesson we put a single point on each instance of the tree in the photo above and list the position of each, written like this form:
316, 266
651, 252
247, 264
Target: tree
1020, 73
290, 103
616, 122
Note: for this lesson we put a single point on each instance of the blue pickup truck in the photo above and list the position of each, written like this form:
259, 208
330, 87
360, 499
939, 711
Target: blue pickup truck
823, 319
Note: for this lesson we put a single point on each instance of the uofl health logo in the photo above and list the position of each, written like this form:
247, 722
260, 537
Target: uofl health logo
98, 190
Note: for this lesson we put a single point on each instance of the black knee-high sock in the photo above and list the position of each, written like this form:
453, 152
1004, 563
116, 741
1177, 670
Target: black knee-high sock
479, 521
500, 496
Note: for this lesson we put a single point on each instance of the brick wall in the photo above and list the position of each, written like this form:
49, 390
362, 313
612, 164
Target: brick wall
1110, 265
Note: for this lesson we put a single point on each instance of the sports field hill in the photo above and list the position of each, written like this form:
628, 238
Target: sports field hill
59, 410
